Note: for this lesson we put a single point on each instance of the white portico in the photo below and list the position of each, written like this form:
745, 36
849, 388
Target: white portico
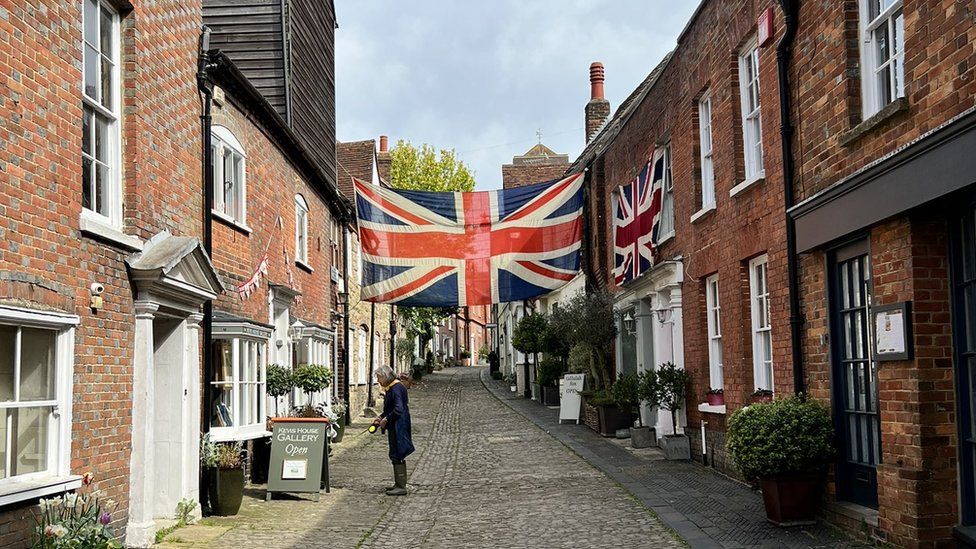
172, 277
649, 330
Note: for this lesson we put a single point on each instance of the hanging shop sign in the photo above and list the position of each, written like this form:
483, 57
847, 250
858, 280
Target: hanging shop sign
299, 456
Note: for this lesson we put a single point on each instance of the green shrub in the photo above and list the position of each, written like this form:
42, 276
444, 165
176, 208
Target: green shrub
312, 378
279, 382
624, 392
550, 370
782, 437
672, 385
599, 397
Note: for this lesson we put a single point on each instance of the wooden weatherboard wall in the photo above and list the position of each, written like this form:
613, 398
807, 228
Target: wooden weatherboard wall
312, 78
286, 49
250, 33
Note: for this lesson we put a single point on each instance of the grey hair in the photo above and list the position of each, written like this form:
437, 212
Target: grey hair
384, 374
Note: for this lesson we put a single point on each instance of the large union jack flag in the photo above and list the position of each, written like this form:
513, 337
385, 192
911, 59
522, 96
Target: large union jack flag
636, 221
436, 249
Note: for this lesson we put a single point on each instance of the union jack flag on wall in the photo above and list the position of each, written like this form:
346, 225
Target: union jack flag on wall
637, 221
436, 249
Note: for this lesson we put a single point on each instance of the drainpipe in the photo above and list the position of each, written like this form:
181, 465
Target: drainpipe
783, 54
346, 355
206, 121
372, 341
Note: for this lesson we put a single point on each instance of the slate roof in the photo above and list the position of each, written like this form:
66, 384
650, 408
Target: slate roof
354, 159
611, 128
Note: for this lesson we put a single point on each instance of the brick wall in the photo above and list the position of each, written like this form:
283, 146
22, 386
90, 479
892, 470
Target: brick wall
45, 261
518, 175
741, 227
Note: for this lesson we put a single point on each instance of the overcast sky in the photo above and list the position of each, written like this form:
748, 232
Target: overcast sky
482, 77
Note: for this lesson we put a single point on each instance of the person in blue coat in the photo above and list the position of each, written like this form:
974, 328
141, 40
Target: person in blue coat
395, 420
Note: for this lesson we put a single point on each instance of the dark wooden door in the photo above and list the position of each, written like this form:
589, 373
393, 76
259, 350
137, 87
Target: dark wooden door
855, 376
964, 331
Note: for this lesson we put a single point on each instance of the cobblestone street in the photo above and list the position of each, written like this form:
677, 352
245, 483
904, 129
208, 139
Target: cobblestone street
483, 476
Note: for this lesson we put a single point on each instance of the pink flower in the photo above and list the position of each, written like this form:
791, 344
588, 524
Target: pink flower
105, 518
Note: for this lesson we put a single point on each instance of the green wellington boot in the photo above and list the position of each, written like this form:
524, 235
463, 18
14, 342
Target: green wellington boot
400, 477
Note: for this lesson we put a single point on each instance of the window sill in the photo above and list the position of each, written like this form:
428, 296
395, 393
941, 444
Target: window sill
755, 180
703, 212
304, 266
966, 535
233, 434
106, 233
664, 239
887, 112
231, 222
709, 409
14, 491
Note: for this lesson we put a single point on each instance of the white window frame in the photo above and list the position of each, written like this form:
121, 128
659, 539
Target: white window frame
301, 231
667, 198
762, 339
57, 477
752, 147
222, 142
716, 357
315, 349
361, 357
111, 219
705, 144
243, 345
874, 82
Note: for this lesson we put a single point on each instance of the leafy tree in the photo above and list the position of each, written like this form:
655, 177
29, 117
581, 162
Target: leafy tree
404, 351
590, 331
422, 169
420, 322
279, 383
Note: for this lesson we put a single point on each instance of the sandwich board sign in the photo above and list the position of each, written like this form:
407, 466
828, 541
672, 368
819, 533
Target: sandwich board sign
299, 456
569, 397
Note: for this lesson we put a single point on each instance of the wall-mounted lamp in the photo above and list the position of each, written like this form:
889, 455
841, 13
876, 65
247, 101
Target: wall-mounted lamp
664, 314
630, 324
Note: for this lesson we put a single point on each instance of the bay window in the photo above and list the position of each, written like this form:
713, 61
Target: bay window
239, 386
882, 53
312, 344
751, 107
713, 309
762, 340
36, 355
101, 159
230, 185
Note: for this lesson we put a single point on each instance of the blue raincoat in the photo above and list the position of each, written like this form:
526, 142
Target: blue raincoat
397, 415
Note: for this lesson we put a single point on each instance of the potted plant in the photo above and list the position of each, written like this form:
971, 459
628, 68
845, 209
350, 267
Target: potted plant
279, 383
648, 392
226, 475
716, 397
672, 384
610, 417
786, 445
762, 395
79, 519
512, 382
625, 393
550, 370
336, 412
312, 378
465, 357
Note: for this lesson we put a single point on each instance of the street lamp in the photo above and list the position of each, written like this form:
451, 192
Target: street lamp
663, 314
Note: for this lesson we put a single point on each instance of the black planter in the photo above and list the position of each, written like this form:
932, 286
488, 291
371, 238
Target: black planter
260, 460
613, 418
226, 490
550, 396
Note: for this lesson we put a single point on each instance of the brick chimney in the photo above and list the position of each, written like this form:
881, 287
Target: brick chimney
598, 109
383, 159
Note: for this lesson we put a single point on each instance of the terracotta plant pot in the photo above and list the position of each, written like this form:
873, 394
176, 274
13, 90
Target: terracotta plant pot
716, 399
226, 491
792, 500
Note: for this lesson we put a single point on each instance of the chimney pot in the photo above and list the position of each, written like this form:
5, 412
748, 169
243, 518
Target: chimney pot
384, 144
597, 75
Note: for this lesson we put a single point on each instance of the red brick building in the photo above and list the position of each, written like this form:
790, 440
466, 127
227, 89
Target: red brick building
539, 164
722, 244
885, 222
103, 275
880, 101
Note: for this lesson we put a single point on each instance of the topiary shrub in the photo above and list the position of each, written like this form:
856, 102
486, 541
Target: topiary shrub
279, 383
312, 378
784, 437
624, 392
